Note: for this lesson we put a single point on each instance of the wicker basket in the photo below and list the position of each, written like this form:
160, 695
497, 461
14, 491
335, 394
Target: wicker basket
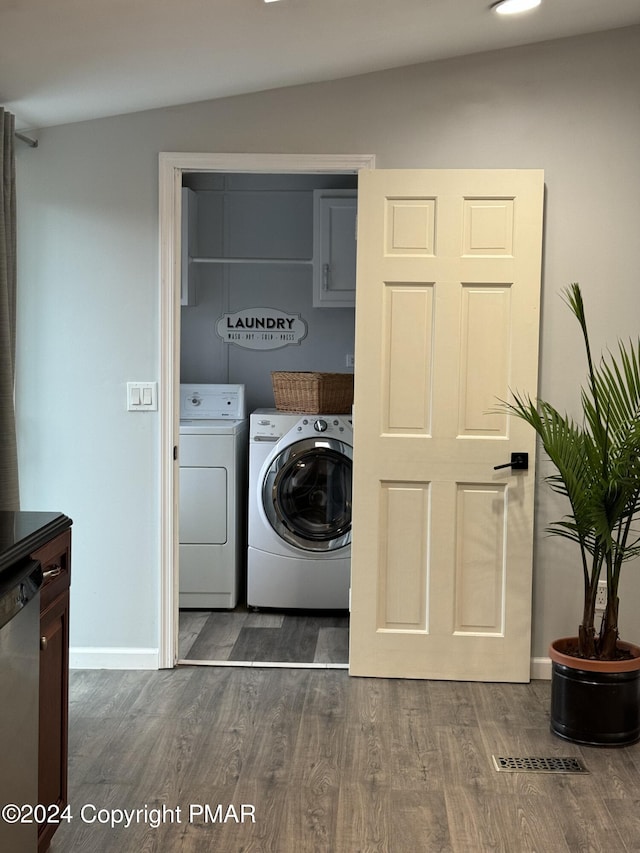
313, 393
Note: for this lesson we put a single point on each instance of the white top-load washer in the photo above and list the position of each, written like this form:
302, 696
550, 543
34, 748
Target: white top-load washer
299, 542
213, 466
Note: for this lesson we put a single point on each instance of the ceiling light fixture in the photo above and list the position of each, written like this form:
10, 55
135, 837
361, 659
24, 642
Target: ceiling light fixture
514, 7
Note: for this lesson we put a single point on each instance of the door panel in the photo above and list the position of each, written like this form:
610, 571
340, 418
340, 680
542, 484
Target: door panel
484, 359
447, 320
408, 313
480, 560
402, 599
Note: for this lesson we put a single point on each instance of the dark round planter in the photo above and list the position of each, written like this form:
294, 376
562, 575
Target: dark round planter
596, 703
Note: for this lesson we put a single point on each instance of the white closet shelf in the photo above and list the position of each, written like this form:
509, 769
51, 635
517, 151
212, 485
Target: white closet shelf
251, 260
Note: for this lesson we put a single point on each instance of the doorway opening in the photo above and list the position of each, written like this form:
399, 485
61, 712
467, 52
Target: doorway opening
239, 197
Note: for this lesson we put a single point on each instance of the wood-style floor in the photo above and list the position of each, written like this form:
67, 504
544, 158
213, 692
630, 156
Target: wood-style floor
328, 763
312, 637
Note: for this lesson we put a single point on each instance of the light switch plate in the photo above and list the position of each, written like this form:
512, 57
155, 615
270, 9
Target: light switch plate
142, 396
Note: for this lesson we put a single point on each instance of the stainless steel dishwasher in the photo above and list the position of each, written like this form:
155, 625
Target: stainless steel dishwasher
19, 679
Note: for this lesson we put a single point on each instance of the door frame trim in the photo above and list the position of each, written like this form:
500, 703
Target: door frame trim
172, 165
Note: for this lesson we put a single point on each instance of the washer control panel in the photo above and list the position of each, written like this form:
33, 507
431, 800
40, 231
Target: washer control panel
329, 424
271, 425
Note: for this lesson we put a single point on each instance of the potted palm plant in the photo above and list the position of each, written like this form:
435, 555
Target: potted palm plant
595, 691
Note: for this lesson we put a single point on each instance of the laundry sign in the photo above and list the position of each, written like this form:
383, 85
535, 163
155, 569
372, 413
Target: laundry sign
261, 328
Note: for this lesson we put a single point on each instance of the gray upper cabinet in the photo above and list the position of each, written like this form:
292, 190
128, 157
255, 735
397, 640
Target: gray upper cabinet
245, 225
334, 248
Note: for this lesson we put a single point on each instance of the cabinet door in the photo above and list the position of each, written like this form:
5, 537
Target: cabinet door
188, 247
203, 506
334, 248
55, 557
54, 691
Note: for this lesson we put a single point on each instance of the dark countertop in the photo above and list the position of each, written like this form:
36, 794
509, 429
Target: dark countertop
22, 533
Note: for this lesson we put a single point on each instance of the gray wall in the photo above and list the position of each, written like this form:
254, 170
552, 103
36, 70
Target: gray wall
89, 292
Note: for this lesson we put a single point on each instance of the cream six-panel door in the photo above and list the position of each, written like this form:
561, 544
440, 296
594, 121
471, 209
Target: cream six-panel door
447, 322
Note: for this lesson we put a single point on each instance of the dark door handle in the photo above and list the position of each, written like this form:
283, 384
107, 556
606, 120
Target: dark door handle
519, 462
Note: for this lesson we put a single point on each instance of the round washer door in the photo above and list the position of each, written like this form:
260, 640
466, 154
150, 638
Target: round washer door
306, 494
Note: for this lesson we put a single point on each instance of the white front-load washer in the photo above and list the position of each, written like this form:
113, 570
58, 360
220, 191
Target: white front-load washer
212, 510
299, 538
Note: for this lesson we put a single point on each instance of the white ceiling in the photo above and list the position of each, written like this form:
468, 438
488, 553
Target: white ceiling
68, 60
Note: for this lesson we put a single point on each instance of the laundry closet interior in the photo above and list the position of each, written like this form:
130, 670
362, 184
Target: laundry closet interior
267, 285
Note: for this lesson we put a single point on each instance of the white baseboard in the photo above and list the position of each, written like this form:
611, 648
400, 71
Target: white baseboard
541, 668
113, 658
132, 658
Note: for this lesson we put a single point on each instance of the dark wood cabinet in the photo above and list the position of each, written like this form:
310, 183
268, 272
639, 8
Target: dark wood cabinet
55, 558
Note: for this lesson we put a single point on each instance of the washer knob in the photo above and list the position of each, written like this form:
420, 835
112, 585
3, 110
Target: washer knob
320, 425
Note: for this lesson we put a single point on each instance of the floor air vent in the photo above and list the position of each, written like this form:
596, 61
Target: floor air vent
553, 764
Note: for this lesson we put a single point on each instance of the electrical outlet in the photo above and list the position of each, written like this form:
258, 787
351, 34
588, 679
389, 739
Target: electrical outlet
349, 361
601, 596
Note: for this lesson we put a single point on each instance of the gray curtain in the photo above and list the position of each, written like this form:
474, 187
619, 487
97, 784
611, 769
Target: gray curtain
9, 496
